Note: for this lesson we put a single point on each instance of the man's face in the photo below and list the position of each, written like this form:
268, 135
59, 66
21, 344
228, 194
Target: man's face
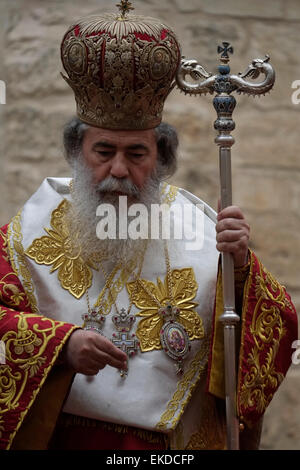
121, 154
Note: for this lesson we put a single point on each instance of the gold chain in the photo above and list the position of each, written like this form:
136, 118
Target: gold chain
107, 285
169, 274
139, 281
106, 277
169, 280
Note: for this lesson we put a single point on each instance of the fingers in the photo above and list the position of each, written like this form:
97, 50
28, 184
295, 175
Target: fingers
232, 224
232, 218
233, 234
106, 353
230, 212
103, 359
88, 352
235, 247
103, 344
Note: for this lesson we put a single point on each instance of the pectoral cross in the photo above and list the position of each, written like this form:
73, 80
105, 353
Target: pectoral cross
125, 340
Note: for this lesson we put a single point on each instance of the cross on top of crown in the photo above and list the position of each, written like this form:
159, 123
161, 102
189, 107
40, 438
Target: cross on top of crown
123, 321
125, 6
225, 51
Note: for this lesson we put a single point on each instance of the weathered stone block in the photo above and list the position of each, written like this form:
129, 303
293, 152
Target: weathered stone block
282, 432
255, 8
292, 9
189, 6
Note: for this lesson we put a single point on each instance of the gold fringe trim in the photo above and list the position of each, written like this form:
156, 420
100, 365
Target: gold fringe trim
67, 420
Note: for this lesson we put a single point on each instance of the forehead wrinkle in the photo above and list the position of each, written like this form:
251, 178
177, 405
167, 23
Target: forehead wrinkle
121, 139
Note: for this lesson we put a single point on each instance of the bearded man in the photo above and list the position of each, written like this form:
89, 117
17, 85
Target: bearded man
115, 343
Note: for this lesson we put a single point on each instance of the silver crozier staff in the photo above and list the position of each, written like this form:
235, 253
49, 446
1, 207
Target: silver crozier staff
223, 84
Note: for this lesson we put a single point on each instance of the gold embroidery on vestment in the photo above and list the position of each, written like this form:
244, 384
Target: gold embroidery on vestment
185, 386
13, 293
33, 342
4, 246
170, 196
56, 250
184, 291
267, 330
2, 313
15, 239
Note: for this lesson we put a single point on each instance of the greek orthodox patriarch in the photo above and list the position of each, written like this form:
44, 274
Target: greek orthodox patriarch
115, 343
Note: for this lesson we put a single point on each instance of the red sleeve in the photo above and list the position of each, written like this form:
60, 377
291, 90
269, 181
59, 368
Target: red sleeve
269, 326
32, 344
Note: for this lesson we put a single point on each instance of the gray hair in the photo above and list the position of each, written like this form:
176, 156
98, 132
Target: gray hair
166, 139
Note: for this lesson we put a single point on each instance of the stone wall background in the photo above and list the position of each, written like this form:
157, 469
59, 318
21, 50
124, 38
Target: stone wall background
266, 163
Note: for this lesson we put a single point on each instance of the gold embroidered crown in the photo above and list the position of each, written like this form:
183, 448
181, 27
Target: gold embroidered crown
121, 68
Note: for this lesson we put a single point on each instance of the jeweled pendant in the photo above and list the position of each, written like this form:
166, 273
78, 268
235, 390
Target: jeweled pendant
173, 337
93, 321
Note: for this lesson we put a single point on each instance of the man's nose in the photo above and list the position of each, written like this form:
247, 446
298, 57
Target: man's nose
119, 167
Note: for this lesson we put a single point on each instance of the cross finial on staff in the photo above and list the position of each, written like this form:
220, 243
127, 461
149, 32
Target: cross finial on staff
224, 51
125, 6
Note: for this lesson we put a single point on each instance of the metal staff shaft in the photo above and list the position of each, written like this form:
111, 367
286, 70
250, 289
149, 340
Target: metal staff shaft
229, 317
224, 105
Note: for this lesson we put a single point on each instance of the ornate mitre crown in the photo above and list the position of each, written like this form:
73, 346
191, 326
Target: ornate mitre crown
121, 68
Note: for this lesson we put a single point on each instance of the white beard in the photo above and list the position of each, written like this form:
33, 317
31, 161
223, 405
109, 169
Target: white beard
82, 219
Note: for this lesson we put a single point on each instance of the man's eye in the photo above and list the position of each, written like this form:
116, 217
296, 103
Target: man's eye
137, 155
103, 153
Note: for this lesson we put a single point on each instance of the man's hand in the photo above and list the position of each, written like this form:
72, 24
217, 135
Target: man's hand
87, 352
233, 234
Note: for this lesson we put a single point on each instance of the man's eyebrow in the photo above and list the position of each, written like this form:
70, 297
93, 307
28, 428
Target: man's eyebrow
138, 147
103, 144
112, 146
